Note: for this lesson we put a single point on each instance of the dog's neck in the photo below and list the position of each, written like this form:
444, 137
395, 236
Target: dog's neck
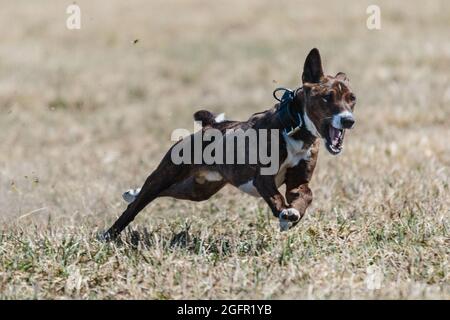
291, 116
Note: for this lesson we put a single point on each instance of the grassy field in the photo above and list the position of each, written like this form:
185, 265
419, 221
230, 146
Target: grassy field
86, 114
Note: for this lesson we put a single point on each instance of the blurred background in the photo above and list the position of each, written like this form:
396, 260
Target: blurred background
88, 113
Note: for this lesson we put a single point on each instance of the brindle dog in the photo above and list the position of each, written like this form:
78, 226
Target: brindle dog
321, 109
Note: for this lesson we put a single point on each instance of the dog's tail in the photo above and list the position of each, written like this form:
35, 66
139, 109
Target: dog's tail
207, 118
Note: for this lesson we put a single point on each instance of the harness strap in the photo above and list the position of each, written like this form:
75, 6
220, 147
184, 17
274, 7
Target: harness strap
290, 121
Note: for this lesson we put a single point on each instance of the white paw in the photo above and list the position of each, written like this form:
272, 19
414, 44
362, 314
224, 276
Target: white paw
287, 217
131, 195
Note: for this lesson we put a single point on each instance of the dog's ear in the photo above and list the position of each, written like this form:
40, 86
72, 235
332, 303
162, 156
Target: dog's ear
312, 70
342, 77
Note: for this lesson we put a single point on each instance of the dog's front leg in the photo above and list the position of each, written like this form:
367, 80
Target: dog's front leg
298, 194
269, 192
298, 198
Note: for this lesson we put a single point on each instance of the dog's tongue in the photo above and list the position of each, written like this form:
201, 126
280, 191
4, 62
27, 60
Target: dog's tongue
335, 134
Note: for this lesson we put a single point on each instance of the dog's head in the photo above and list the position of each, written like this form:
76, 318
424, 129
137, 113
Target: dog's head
329, 103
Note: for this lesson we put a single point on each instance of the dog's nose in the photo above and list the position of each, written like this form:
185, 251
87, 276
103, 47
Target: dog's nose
348, 122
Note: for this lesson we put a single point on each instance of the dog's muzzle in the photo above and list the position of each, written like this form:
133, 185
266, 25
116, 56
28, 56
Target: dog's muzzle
335, 131
347, 122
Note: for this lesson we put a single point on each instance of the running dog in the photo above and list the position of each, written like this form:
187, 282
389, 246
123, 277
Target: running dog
321, 109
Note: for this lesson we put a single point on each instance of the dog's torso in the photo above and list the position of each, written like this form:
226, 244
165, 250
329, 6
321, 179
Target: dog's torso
292, 150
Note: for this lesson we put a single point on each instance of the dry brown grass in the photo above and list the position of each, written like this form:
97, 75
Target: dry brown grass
87, 114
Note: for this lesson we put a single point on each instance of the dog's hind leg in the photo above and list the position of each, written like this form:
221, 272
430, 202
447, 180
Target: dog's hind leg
197, 187
188, 189
162, 178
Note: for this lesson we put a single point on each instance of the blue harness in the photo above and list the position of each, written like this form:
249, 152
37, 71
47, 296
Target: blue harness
290, 120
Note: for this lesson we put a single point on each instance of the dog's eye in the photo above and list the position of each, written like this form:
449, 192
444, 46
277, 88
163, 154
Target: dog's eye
327, 98
352, 97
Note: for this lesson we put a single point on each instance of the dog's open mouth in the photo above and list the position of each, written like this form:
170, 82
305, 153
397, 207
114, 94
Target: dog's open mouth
334, 139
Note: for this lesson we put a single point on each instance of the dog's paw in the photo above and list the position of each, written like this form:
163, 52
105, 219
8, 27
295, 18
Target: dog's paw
288, 217
131, 195
290, 214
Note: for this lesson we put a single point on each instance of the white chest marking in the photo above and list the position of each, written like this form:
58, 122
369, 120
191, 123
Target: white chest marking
295, 153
